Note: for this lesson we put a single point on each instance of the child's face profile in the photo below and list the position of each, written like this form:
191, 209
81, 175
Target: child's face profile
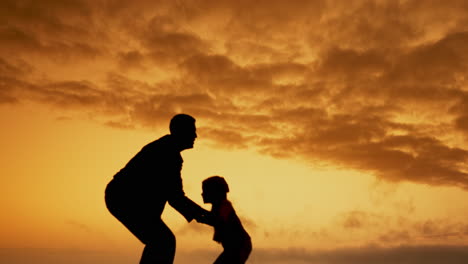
207, 195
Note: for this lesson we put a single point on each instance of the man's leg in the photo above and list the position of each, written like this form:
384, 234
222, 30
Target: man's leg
160, 244
221, 259
159, 241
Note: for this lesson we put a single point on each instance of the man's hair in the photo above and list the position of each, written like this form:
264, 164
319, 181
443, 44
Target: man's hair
180, 122
217, 184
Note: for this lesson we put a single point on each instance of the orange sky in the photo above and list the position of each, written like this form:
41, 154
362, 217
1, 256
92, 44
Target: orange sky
341, 126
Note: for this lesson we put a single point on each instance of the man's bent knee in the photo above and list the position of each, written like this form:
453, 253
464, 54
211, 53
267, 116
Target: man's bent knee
160, 235
159, 249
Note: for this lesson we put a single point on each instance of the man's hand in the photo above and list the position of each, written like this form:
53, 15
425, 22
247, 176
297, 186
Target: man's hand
205, 218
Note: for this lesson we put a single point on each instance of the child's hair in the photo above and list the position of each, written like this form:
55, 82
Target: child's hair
216, 184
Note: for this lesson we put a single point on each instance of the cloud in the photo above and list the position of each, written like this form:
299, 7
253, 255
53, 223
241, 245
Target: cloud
372, 86
79, 226
53, 29
131, 59
389, 230
166, 43
462, 123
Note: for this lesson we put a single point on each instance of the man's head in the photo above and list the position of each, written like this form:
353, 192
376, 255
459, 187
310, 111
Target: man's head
182, 128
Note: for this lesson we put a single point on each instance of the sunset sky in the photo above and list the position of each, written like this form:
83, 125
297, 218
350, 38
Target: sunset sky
340, 126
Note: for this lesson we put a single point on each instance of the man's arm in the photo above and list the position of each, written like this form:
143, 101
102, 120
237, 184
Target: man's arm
188, 208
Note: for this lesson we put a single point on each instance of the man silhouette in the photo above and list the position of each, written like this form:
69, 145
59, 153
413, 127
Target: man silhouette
137, 194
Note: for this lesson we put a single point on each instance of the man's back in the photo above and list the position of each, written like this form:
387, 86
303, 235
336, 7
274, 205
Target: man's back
155, 162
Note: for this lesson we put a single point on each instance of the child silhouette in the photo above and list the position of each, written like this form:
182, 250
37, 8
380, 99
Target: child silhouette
228, 229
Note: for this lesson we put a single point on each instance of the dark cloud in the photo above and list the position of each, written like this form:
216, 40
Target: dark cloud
57, 30
441, 229
353, 63
168, 44
8, 74
222, 76
462, 123
437, 64
252, 52
406, 158
373, 86
131, 59
69, 94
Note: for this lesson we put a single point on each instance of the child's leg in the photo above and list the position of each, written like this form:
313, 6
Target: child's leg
235, 255
245, 251
221, 259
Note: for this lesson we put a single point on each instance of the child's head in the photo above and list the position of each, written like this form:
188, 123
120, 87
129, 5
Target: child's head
214, 189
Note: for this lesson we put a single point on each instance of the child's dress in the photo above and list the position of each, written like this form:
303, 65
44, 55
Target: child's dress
229, 231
